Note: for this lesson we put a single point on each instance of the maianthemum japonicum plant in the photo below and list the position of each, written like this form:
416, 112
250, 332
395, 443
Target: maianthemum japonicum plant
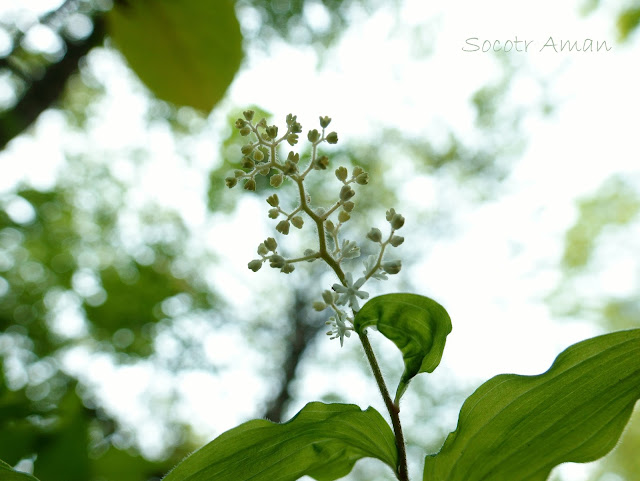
512, 428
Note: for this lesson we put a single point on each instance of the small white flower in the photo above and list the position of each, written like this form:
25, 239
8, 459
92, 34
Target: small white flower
350, 293
369, 263
340, 327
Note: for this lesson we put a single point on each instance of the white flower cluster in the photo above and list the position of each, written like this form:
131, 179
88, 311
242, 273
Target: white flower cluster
260, 158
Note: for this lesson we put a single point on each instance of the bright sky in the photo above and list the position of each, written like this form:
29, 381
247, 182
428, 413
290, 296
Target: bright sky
377, 76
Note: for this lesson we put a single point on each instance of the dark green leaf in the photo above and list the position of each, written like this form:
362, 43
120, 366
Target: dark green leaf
518, 428
416, 324
186, 52
322, 441
9, 474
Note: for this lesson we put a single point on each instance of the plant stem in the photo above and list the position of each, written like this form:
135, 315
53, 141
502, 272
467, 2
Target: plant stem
402, 473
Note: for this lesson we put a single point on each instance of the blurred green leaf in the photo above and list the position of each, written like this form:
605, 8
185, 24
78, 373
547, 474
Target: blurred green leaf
518, 428
628, 21
186, 52
323, 441
8, 474
417, 325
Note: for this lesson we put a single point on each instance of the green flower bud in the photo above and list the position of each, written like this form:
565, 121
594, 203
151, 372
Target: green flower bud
296, 128
262, 123
348, 206
322, 163
313, 135
292, 139
244, 131
288, 268
273, 213
297, 222
250, 184
324, 122
272, 131
262, 249
277, 261
390, 213
328, 296
343, 216
240, 123
255, 265
396, 240
332, 138
392, 267
248, 114
289, 168
258, 155
329, 226
291, 118
319, 306
273, 200
271, 244
374, 235
346, 193
283, 227
293, 157
309, 252
247, 149
231, 182
341, 173
264, 170
247, 163
238, 173
363, 179
276, 180
357, 171
397, 221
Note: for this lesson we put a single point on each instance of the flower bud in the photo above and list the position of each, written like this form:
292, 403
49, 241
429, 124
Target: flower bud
274, 213
231, 182
396, 240
262, 123
329, 226
288, 268
390, 213
258, 155
341, 173
283, 227
273, 200
328, 297
244, 131
262, 249
276, 180
264, 170
313, 135
238, 173
332, 138
392, 267
374, 235
297, 222
291, 118
346, 193
325, 121
363, 179
319, 306
271, 244
293, 157
272, 131
247, 163
309, 252
250, 184
289, 168
255, 265
292, 139
343, 216
322, 163
247, 149
248, 114
348, 206
357, 171
277, 261
397, 221
240, 123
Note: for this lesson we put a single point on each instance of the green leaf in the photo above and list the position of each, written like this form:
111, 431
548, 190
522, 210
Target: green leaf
416, 324
520, 427
9, 474
186, 52
323, 441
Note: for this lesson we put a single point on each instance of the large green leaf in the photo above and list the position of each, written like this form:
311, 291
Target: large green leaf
323, 441
9, 474
518, 428
186, 52
416, 324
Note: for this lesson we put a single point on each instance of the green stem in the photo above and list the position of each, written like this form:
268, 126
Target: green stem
402, 473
